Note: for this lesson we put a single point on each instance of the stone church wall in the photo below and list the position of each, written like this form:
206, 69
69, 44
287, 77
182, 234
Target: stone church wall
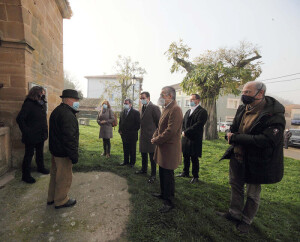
31, 53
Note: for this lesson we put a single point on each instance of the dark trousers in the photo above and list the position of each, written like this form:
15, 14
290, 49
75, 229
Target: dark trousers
195, 162
106, 146
39, 157
129, 150
167, 185
145, 163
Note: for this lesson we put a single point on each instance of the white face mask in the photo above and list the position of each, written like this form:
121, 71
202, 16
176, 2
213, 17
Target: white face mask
161, 101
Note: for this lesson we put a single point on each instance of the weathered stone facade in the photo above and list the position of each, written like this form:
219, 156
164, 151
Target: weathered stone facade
31, 51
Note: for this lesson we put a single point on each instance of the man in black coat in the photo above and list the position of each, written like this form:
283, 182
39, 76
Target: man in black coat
129, 126
32, 120
63, 145
192, 135
256, 152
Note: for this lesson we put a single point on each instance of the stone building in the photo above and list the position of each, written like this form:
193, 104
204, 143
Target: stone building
31, 53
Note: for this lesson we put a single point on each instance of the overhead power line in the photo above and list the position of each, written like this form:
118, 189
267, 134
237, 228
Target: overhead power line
284, 80
280, 77
287, 91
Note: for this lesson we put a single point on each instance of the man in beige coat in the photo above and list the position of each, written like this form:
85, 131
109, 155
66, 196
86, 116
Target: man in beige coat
167, 138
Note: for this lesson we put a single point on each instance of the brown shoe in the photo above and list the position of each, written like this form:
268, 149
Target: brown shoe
243, 227
107, 155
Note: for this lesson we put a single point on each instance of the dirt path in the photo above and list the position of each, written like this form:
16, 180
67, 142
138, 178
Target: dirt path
292, 153
100, 214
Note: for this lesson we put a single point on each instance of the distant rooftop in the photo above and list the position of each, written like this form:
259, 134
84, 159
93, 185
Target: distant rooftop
176, 86
115, 76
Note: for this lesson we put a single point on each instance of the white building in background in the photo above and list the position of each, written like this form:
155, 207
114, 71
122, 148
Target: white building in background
227, 105
108, 87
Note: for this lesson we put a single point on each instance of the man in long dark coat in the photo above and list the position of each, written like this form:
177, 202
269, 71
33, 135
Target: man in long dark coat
256, 153
192, 135
150, 115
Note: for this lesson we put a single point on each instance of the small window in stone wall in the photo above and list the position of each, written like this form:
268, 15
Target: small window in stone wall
233, 103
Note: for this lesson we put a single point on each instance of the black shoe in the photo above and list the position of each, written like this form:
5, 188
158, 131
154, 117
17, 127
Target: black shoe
50, 203
71, 202
243, 227
166, 208
123, 164
103, 154
152, 179
28, 179
183, 174
228, 216
194, 180
140, 172
43, 171
131, 165
158, 195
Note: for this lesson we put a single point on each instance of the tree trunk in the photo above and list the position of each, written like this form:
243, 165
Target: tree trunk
210, 128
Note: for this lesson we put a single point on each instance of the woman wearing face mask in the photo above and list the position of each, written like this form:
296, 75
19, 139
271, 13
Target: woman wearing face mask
32, 120
105, 119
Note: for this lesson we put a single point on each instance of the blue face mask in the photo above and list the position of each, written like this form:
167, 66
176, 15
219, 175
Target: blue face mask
192, 104
105, 106
76, 105
144, 101
126, 106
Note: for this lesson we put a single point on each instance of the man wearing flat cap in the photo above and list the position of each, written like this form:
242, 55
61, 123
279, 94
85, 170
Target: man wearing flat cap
63, 145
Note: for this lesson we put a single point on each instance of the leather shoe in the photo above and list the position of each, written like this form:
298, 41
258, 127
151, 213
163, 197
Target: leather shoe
28, 179
166, 208
228, 216
43, 171
140, 172
152, 179
194, 180
50, 203
157, 195
71, 202
182, 175
123, 164
243, 227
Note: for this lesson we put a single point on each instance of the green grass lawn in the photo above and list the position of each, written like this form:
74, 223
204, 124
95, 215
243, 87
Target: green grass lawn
194, 218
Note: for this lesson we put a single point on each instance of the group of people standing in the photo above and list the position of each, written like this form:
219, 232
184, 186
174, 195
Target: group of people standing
255, 138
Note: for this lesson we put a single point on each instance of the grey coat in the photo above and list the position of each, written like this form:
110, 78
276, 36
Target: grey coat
149, 123
106, 129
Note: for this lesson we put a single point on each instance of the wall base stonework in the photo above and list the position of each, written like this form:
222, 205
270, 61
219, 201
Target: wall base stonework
5, 150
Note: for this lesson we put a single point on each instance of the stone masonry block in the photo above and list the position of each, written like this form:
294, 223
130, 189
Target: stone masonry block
4, 79
3, 15
12, 69
12, 57
18, 81
14, 13
12, 30
11, 2
12, 94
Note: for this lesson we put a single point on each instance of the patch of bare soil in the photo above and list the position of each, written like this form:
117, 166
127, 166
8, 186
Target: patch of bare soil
100, 214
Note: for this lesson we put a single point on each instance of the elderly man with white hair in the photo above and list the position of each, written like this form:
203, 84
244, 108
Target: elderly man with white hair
256, 152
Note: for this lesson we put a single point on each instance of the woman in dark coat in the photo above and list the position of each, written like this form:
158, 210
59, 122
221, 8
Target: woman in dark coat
32, 120
105, 119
